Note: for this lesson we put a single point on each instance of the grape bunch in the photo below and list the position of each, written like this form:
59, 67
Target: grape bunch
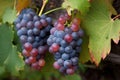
65, 43
33, 31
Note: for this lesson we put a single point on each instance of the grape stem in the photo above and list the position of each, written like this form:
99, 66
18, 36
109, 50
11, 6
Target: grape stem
43, 6
53, 10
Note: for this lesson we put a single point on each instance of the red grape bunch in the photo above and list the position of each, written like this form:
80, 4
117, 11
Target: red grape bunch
65, 43
33, 31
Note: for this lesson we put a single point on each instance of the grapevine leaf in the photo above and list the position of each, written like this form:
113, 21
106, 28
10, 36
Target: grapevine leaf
9, 15
5, 4
84, 55
101, 29
81, 5
109, 4
8, 53
14, 62
72, 77
21, 4
6, 37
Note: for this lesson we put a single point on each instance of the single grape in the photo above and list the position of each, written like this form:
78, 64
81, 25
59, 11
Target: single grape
30, 25
70, 71
65, 56
56, 65
25, 53
60, 26
55, 47
34, 52
38, 24
28, 46
68, 38
68, 49
74, 27
41, 62
32, 59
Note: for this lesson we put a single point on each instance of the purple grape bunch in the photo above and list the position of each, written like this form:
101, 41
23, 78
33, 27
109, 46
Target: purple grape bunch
33, 32
65, 44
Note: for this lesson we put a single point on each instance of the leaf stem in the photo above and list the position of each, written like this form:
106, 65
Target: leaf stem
117, 16
53, 10
43, 6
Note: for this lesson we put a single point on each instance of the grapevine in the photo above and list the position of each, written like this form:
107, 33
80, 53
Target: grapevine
59, 40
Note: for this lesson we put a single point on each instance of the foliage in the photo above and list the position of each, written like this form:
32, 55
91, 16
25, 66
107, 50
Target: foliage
101, 29
96, 21
81, 5
9, 15
9, 56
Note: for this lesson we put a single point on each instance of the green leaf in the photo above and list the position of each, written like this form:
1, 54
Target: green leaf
14, 62
84, 54
80, 5
5, 4
101, 29
71, 77
111, 8
6, 37
9, 15
9, 57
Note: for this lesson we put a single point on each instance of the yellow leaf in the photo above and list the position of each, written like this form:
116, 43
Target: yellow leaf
21, 4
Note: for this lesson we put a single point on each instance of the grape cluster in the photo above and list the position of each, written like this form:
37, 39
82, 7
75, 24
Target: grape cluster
65, 43
33, 31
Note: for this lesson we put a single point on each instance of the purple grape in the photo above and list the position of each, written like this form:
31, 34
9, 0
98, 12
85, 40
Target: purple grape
18, 26
60, 34
23, 22
49, 20
68, 49
30, 32
30, 39
65, 56
44, 22
60, 61
42, 33
63, 43
30, 25
49, 41
67, 63
23, 38
75, 35
38, 24
36, 31
81, 33
19, 33
62, 50
36, 18
75, 60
